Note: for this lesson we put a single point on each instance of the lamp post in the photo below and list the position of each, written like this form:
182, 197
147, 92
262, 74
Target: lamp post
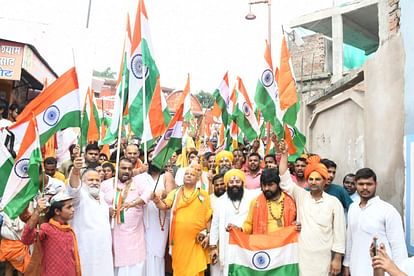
251, 16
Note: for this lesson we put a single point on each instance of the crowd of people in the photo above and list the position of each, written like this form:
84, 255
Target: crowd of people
96, 216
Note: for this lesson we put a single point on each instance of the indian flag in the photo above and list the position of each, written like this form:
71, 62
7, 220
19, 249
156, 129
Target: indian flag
170, 141
158, 116
222, 97
244, 114
266, 97
56, 108
6, 165
91, 122
121, 96
143, 68
186, 96
23, 182
268, 254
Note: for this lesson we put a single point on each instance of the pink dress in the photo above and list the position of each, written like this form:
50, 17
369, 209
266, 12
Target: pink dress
128, 238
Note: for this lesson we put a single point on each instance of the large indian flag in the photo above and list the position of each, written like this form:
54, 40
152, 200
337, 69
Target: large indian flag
143, 68
267, 94
23, 181
222, 97
56, 108
271, 254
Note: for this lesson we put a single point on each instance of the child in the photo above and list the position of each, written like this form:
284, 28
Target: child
58, 241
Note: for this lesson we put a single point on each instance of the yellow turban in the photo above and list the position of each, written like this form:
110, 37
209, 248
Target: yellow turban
314, 165
234, 172
222, 154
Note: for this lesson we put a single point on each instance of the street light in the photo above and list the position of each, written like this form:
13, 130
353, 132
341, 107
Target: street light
251, 16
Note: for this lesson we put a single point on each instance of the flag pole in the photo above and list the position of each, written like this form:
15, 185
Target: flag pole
144, 112
118, 151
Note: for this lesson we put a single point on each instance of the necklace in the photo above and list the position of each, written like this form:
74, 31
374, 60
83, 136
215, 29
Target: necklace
162, 221
279, 218
236, 208
185, 198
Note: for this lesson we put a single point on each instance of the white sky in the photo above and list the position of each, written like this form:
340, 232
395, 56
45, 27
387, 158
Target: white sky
202, 37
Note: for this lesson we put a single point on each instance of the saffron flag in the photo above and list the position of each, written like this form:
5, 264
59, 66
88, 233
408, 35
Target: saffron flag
267, 94
121, 97
264, 254
143, 68
91, 122
171, 140
23, 181
56, 108
243, 113
6, 165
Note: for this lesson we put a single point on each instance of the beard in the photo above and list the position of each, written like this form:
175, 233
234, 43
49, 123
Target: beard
224, 169
152, 168
94, 191
219, 192
235, 193
270, 195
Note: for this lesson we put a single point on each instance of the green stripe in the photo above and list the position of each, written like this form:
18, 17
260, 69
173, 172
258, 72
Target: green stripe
286, 270
20, 201
265, 103
244, 124
70, 119
136, 108
165, 154
84, 128
5, 170
222, 104
167, 116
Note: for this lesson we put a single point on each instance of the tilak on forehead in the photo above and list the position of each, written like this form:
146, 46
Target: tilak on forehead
224, 154
234, 173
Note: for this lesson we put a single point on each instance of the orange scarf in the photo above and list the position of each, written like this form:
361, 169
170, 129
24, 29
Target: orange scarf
67, 228
260, 213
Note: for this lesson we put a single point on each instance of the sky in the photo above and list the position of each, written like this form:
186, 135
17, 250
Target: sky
204, 38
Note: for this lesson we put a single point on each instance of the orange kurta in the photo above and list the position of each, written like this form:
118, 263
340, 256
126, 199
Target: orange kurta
191, 212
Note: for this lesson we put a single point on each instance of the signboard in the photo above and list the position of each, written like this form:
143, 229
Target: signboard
11, 56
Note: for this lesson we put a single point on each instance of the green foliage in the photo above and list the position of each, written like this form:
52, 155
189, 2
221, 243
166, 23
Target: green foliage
107, 73
206, 99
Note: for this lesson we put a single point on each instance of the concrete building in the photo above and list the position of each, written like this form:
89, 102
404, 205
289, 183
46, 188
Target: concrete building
23, 71
353, 72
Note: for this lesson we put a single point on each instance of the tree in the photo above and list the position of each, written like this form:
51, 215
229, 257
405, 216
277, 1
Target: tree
107, 73
206, 99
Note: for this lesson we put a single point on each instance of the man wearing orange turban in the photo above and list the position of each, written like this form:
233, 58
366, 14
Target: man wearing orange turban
322, 238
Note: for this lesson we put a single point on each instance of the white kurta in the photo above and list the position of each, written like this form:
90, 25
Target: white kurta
93, 232
156, 239
224, 212
323, 228
380, 219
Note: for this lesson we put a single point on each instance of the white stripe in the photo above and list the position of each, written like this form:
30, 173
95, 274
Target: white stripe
5, 154
69, 102
280, 256
15, 183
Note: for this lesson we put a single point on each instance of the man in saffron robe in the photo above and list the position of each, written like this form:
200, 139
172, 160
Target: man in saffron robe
190, 225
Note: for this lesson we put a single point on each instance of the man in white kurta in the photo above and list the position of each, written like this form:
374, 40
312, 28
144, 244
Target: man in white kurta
372, 217
230, 208
321, 216
157, 222
91, 222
